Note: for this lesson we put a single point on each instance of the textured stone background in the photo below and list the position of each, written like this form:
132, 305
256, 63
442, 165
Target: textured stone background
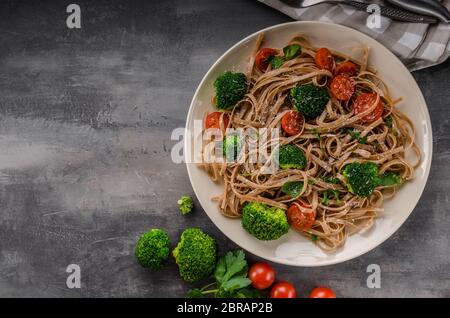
85, 123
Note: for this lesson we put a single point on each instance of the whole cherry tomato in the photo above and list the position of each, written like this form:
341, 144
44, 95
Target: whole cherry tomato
283, 290
262, 275
322, 292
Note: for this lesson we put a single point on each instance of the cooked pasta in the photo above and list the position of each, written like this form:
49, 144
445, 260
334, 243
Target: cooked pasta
338, 136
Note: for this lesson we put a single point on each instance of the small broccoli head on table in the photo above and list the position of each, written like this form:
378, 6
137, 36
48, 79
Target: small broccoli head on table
195, 254
152, 249
185, 204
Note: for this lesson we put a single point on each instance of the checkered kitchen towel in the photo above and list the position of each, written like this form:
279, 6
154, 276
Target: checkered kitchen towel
417, 45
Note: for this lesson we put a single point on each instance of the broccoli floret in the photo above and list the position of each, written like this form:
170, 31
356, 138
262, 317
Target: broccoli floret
195, 254
185, 204
361, 178
231, 147
264, 222
230, 88
310, 100
152, 249
291, 157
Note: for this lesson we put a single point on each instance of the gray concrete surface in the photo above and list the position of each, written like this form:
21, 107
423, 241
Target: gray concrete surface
85, 123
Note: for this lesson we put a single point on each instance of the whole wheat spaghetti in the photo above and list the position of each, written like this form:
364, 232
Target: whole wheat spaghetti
337, 137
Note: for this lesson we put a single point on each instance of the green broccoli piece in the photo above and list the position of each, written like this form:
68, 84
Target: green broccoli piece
195, 254
230, 88
231, 147
185, 204
152, 249
362, 178
264, 222
291, 157
310, 100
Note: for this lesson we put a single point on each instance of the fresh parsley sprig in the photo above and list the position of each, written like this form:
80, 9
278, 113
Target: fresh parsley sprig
231, 279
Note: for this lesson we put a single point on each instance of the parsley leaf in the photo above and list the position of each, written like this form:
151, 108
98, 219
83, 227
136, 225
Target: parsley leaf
250, 293
236, 283
229, 265
195, 293
231, 279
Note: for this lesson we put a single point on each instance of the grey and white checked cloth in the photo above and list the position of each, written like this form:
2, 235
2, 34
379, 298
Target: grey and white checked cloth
417, 45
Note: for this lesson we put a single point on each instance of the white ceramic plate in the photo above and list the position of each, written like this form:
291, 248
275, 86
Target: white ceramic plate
292, 249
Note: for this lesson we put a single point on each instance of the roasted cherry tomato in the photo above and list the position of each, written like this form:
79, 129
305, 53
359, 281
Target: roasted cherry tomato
213, 120
300, 217
262, 275
342, 87
347, 68
322, 292
283, 290
324, 59
292, 123
262, 58
363, 102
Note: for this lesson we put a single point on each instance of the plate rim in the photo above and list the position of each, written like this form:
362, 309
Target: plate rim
427, 119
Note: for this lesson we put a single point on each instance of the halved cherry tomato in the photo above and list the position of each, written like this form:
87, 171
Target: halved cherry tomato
301, 217
262, 58
292, 123
283, 290
322, 292
324, 59
213, 120
347, 67
363, 102
342, 87
262, 275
